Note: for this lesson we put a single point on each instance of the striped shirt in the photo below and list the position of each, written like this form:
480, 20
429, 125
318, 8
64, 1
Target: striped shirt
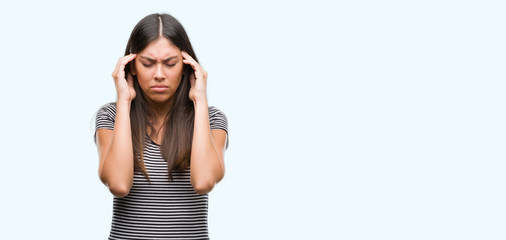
161, 209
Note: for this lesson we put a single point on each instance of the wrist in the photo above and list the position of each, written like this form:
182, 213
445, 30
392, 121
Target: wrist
202, 102
123, 102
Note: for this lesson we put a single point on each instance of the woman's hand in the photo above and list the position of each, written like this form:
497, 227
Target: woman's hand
198, 80
124, 86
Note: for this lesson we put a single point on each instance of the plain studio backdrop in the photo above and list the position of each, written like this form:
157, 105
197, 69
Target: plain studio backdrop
347, 119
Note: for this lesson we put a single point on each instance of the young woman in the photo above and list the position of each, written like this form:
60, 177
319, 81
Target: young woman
161, 146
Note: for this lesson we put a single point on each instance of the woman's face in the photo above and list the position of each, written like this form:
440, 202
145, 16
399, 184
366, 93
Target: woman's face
159, 68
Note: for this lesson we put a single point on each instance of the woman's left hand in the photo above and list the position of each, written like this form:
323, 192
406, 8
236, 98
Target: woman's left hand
198, 80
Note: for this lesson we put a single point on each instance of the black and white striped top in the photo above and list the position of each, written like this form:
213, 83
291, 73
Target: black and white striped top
161, 209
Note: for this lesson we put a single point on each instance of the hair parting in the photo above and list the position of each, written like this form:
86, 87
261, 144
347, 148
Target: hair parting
160, 27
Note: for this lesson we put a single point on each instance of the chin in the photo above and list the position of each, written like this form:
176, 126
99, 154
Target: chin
160, 99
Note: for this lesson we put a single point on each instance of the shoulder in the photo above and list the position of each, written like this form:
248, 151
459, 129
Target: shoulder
108, 108
105, 116
214, 111
217, 118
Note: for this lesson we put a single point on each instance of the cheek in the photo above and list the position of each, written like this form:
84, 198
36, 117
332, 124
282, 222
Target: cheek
174, 72
144, 78
144, 74
144, 85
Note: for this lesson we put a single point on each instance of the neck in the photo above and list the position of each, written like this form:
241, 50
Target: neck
160, 110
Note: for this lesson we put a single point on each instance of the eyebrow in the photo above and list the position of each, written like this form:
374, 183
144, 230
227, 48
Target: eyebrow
152, 60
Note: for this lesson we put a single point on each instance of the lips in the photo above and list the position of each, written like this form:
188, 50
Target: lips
159, 88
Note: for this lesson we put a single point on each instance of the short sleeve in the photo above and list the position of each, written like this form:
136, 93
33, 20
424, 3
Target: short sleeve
105, 118
218, 120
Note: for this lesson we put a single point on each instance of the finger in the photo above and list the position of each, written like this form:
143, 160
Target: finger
189, 60
197, 70
192, 80
120, 66
200, 73
125, 59
130, 80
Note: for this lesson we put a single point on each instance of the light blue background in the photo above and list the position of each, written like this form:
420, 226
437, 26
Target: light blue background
347, 119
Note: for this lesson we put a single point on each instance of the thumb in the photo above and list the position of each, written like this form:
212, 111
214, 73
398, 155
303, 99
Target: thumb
130, 80
192, 79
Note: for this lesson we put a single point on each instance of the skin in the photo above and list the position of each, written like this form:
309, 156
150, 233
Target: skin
160, 63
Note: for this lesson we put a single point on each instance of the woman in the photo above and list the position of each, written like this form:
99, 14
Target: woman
161, 146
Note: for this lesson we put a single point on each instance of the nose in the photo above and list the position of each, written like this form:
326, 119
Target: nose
159, 73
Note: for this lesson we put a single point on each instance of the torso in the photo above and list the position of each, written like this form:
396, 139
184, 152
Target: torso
160, 208
159, 136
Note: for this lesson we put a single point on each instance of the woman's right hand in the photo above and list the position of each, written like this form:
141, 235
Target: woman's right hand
124, 84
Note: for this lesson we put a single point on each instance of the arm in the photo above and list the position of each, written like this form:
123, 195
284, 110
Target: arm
207, 166
115, 148
116, 153
208, 146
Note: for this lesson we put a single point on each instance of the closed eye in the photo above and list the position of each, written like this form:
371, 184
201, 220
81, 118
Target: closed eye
149, 65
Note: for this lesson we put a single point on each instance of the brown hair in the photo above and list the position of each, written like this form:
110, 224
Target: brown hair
177, 140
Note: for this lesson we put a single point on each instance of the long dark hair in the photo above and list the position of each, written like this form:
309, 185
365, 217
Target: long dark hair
177, 140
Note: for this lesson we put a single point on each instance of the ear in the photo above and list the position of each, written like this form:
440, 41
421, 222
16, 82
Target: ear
131, 65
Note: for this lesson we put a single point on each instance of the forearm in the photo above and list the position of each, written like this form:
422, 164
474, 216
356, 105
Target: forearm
117, 169
206, 166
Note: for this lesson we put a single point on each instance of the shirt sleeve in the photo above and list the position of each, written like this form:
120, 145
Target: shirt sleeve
105, 118
218, 120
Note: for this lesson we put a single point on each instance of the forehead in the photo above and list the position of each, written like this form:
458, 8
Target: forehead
160, 48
